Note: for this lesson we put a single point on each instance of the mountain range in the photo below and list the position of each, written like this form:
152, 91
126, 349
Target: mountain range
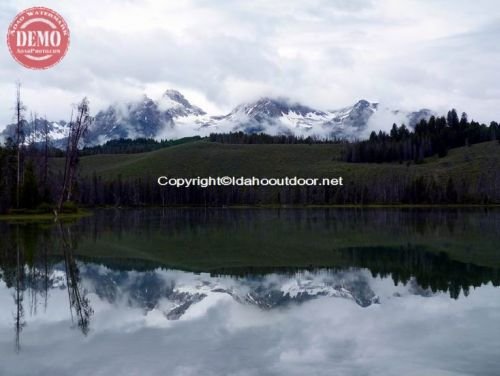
173, 116
174, 292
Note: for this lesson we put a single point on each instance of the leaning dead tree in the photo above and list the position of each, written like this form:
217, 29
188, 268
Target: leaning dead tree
77, 129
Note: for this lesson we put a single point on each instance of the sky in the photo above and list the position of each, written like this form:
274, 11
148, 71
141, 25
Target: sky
403, 335
407, 54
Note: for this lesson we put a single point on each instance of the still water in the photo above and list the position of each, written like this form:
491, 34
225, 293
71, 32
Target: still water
253, 292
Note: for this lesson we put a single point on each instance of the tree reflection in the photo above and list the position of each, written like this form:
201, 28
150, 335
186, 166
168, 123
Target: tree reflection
19, 322
435, 271
79, 304
29, 256
34, 258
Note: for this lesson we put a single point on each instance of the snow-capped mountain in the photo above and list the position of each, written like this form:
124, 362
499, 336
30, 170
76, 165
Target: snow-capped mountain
146, 118
354, 118
273, 116
281, 116
173, 292
173, 116
137, 119
176, 105
36, 130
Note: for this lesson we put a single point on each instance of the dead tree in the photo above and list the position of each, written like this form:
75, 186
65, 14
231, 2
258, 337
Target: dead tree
45, 151
32, 130
77, 129
19, 139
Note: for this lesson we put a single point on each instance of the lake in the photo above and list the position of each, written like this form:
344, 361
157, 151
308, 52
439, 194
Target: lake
253, 292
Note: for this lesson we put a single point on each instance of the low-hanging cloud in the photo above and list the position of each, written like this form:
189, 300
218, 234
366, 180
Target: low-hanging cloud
326, 54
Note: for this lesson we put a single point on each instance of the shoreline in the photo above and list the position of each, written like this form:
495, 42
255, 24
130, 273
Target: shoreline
85, 212
46, 216
316, 206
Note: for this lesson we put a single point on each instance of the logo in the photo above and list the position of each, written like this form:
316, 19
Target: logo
38, 38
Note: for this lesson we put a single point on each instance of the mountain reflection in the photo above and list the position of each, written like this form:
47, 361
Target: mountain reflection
126, 260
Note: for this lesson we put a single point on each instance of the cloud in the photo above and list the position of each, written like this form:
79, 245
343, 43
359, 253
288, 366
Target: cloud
327, 54
409, 334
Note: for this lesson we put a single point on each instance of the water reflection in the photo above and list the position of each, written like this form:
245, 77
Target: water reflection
434, 271
77, 296
27, 270
172, 293
111, 277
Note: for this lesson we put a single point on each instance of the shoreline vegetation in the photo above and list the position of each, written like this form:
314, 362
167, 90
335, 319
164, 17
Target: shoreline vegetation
28, 216
34, 216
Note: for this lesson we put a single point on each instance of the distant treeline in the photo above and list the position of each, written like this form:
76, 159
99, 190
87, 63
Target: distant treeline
262, 138
95, 191
131, 146
430, 137
143, 145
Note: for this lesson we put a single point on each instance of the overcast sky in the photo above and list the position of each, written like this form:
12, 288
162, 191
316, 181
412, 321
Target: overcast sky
326, 53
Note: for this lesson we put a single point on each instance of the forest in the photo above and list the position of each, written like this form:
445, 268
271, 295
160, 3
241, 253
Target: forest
435, 136
26, 180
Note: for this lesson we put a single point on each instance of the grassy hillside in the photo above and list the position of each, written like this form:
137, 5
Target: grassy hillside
207, 158
204, 158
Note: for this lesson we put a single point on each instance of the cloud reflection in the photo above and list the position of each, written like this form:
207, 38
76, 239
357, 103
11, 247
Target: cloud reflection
406, 333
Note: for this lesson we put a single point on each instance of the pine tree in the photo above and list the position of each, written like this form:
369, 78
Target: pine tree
30, 196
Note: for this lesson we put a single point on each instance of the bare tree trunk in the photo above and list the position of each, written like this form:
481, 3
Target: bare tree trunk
77, 130
71, 174
19, 125
18, 295
18, 184
46, 154
66, 164
45, 274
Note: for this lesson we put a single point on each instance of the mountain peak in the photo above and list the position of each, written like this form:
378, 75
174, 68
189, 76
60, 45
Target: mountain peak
176, 96
176, 104
363, 103
144, 102
274, 107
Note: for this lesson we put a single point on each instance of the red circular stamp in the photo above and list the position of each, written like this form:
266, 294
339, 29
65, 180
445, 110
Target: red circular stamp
38, 38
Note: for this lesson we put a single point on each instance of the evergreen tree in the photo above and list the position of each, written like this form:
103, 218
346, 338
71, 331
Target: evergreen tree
30, 197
